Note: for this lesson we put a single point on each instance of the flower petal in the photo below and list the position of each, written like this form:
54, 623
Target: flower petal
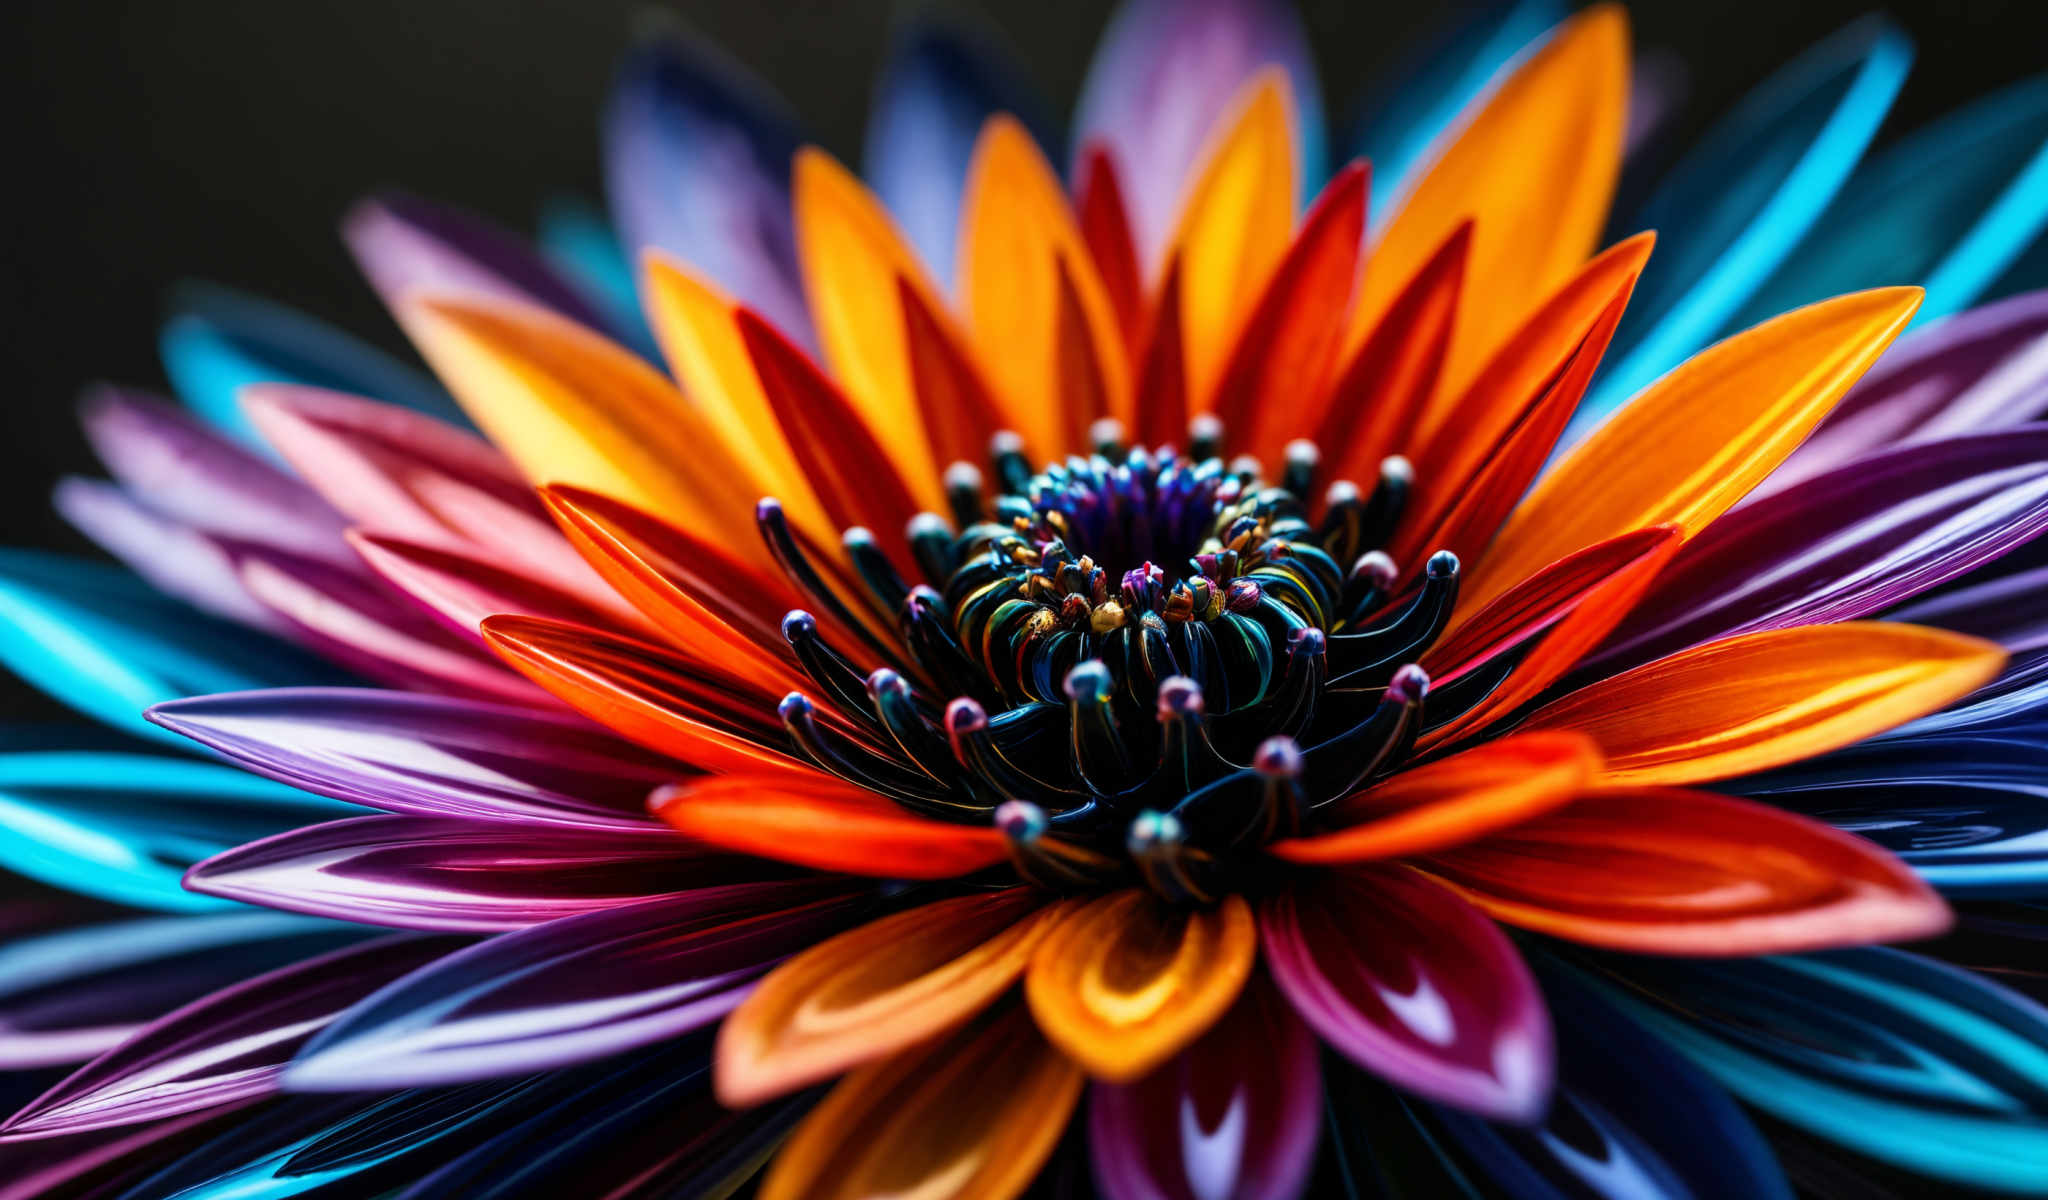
404, 243
1762, 699
1452, 800
928, 1123
1125, 982
817, 821
429, 755
1105, 226
573, 989
1234, 1117
1408, 981
878, 990
1696, 440
584, 249
1662, 871
176, 560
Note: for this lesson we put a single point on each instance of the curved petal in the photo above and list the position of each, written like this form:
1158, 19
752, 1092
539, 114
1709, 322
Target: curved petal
404, 243
927, 1123
1235, 1116
585, 250
1408, 981
1662, 871
462, 589
1759, 700
1125, 982
877, 990
817, 821
175, 559
573, 989
2011, 610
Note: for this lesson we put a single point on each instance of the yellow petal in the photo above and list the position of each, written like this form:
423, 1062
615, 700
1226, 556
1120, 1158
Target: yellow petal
1762, 700
1235, 226
1533, 165
968, 1117
1016, 234
1125, 983
1699, 439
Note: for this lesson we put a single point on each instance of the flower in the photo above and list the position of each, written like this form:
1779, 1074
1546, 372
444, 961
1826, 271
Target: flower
1168, 652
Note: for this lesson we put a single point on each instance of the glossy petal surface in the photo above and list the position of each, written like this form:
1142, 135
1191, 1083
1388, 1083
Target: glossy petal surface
817, 821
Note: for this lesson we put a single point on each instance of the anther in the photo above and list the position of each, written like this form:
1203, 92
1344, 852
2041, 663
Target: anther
963, 494
1205, 437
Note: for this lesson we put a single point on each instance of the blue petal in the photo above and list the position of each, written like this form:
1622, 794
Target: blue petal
124, 827
1892, 1055
105, 643
1948, 208
938, 87
1406, 113
1728, 214
218, 341
582, 245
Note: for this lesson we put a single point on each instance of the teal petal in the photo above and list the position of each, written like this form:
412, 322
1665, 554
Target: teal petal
1728, 214
218, 340
100, 640
581, 244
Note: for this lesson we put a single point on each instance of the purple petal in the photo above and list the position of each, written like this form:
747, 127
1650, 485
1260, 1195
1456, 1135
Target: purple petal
1980, 370
175, 559
2011, 610
103, 1160
1403, 977
460, 876
1233, 1117
1846, 544
574, 989
1163, 75
198, 478
227, 1048
430, 755
404, 243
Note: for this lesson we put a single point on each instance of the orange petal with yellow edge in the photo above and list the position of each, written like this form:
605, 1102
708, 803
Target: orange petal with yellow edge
1453, 800
1127, 981
1234, 226
1665, 871
972, 1116
1533, 165
1106, 227
1699, 439
1017, 236
871, 992
1761, 700
821, 822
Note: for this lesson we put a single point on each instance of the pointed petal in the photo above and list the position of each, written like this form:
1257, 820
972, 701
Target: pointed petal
961, 412
1106, 227
1163, 402
1662, 871
927, 1123
1234, 1116
1452, 800
1126, 982
878, 990
429, 755
1408, 981
573, 989
176, 560
1698, 439
404, 243
816, 821
2011, 610
1763, 699
462, 589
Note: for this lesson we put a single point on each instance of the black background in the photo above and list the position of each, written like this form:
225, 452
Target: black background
164, 139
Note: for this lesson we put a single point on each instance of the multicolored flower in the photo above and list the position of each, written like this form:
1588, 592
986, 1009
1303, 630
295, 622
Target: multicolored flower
1217, 703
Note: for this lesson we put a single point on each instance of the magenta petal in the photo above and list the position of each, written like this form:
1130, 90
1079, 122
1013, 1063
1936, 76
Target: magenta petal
1233, 1117
574, 989
93, 1164
1403, 977
173, 558
229, 1047
1846, 544
2011, 610
462, 589
430, 755
1979, 370
459, 876
405, 243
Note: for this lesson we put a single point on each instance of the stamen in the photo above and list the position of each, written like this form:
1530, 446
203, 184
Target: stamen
855, 764
1176, 870
827, 668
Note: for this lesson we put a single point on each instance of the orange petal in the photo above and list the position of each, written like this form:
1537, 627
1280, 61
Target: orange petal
1663, 871
960, 411
1162, 371
877, 990
820, 822
1127, 981
1016, 236
1697, 440
1761, 700
968, 1117
852, 255
1235, 225
1533, 165
1284, 353
1453, 800
1106, 228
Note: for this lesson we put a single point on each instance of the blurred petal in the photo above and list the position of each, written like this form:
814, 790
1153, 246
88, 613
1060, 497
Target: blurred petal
180, 562
817, 821
461, 589
1662, 871
584, 249
1408, 981
404, 243
1105, 222
1126, 982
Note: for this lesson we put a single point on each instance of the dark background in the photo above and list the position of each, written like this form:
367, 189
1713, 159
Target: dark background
156, 140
